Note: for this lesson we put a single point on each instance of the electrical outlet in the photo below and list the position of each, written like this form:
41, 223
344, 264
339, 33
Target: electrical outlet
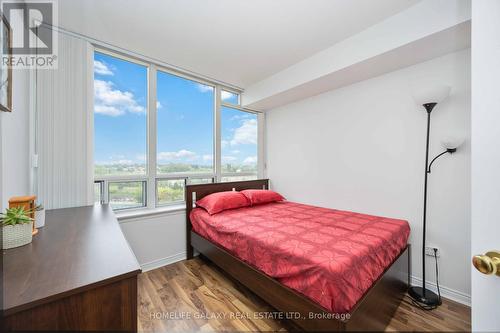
429, 251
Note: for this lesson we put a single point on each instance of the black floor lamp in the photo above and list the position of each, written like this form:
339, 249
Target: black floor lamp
429, 98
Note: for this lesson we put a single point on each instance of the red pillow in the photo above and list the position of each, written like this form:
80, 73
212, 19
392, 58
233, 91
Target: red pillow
258, 197
220, 201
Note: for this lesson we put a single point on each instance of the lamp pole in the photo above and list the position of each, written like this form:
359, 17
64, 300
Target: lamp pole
423, 297
421, 294
428, 107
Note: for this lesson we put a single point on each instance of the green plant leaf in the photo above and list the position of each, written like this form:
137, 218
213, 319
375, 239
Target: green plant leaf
14, 216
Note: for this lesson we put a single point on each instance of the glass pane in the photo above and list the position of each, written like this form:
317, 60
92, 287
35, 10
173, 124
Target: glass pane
127, 195
97, 192
120, 103
170, 191
194, 181
239, 141
185, 127
237, 178
229, 97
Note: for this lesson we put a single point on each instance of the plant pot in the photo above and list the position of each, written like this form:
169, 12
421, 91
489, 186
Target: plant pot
39, 218
17, 235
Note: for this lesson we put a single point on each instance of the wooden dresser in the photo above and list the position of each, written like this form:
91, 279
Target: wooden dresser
79, 273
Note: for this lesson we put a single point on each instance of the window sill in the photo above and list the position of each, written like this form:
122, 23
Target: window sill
146, 212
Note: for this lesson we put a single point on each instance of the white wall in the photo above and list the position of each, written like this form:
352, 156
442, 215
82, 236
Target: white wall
14, 139
362, 148
382, 48
156, 240
14, 132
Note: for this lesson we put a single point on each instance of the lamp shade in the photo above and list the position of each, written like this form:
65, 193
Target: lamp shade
452, 142
431, 94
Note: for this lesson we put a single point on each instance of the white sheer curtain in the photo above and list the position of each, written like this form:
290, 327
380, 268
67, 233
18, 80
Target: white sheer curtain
63, 113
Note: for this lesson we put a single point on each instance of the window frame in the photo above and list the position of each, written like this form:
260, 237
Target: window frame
151, 177
259, 135
157, 202
101, 190
155, 143
238, 94
144, 193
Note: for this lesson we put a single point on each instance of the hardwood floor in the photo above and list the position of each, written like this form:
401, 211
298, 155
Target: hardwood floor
194, 295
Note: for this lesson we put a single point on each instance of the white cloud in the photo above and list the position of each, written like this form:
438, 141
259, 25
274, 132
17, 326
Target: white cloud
116, 160
246, 133
177, 155
240, 116
125, 162
228, 158
236, 151
207, 158
158, 105
113, 102
108, 110
224, 143
225, 95
101, 68
250, 160
204, 88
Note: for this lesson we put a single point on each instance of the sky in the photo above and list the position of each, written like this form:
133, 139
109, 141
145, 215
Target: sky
184, 115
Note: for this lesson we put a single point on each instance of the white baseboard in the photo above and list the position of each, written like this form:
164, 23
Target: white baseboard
446, 292
163, 261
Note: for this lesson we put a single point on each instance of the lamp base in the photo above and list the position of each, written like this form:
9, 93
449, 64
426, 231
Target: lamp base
429, 299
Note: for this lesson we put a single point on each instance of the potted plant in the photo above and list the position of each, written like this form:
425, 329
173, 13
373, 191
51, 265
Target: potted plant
39, 216
16, 227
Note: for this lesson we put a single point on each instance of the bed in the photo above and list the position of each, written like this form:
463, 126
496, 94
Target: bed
327, 269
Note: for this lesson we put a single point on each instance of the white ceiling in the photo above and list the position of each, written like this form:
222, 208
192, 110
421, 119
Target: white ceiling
236, 41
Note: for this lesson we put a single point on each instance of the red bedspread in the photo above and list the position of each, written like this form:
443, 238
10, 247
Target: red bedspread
330, 256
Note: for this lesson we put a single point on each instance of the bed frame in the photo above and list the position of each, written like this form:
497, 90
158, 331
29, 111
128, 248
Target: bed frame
372, 313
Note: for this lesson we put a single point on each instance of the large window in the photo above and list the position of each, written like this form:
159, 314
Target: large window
145, 153
185, 134
120, 122
239, 144
185, 131
120, 130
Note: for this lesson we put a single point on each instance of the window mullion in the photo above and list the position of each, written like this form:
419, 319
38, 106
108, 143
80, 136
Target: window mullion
105, 191
261, 152
218, 135
152, 127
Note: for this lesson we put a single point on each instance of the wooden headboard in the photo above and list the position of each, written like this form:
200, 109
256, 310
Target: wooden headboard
196, 192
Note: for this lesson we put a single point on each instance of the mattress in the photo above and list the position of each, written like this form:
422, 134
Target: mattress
332, 257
